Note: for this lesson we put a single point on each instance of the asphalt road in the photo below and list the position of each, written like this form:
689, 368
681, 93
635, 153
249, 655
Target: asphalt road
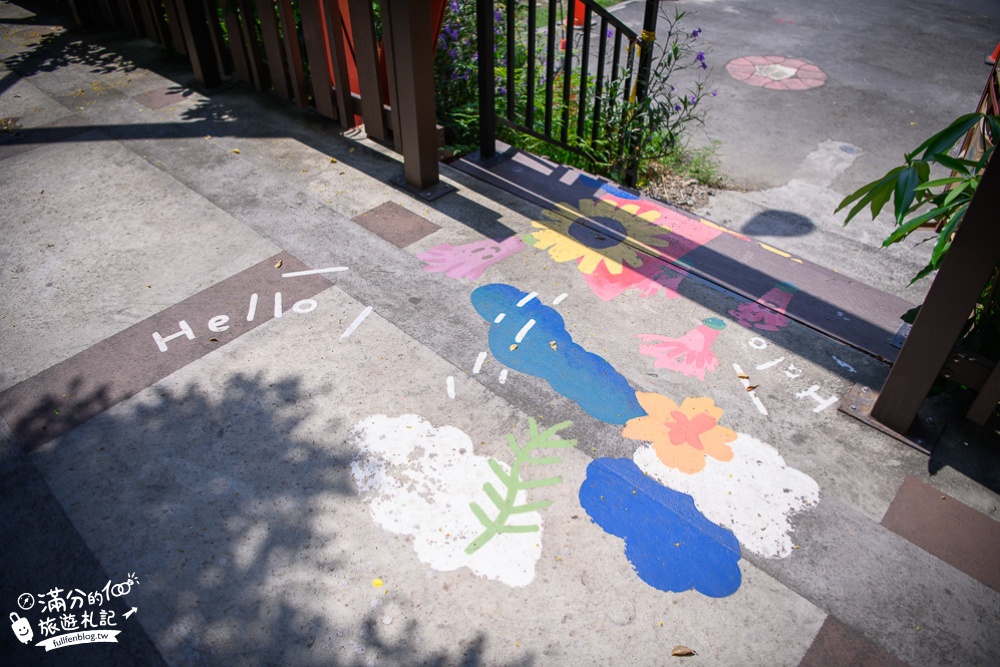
896, 73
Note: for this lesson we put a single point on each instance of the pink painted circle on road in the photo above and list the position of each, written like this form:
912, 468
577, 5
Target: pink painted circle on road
776, 72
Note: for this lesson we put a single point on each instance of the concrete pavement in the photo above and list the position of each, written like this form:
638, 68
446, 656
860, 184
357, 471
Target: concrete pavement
289, 479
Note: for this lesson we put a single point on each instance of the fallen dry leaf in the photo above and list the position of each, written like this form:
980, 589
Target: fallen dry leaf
552, 344
513, 347
743, 376
278, 265
682, 651
333, 160
213, 340
236, 150
752, 387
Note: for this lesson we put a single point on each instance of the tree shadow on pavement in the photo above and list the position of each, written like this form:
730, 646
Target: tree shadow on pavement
239, 519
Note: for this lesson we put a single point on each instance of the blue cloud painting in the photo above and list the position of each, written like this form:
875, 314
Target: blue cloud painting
671, 545
530, 337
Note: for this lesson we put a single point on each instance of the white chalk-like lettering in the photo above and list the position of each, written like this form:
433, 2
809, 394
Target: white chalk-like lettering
813, 392
161, 341
218, 323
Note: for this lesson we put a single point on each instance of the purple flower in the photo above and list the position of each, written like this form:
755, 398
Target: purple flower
608, 34
454, 5
451, 53
502, 91
715, 93
694, 100
497, 15
700, 57
475, 56
696, 32
677, 107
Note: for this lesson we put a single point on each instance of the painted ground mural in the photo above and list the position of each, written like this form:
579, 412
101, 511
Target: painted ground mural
691, 498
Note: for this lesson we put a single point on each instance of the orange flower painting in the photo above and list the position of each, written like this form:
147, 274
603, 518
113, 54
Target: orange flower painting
682, 436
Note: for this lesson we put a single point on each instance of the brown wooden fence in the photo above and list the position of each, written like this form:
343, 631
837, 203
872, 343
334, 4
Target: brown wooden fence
325, 54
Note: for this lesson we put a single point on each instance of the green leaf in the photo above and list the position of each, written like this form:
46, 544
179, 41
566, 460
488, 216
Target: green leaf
905, 192
910, 225
923, 273
946, 139
954, 193
530, 507
882, 195
939, 182
877, 196
994, 122
535, 483
953, 163
499, 472
866, 190
517, 529
480, 514
494, 495
944, 237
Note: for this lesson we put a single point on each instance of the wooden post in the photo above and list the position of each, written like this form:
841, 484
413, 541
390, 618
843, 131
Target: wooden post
970, 261
413, 99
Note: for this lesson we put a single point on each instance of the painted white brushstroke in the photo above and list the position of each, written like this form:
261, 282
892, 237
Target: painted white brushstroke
312, 272
770, 364
559, 299
253, 307
752, 394
524, 331
479, 362
499, 318
526, 299
754, 495
357, 322
418, 480
451, 386
844, 364
277, 304
503, 376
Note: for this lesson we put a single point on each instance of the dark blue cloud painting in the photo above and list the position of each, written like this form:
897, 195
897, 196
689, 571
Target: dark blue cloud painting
671, 545
530, 337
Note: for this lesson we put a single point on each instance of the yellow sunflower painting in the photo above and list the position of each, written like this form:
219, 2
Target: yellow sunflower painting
570, 234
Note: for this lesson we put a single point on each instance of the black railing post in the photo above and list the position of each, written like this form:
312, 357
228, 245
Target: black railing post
646, 41
487, 86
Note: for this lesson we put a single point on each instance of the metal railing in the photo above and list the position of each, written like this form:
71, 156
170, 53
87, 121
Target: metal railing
565, 66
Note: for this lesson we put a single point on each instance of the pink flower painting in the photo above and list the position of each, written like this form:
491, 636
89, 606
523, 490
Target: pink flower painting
471, 259
691, 354
768, 313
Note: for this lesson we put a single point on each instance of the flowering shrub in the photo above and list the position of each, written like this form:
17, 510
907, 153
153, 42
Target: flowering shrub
630, 131
456, 71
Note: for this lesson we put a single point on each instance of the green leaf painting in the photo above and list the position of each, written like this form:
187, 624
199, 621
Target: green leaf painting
512, 483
